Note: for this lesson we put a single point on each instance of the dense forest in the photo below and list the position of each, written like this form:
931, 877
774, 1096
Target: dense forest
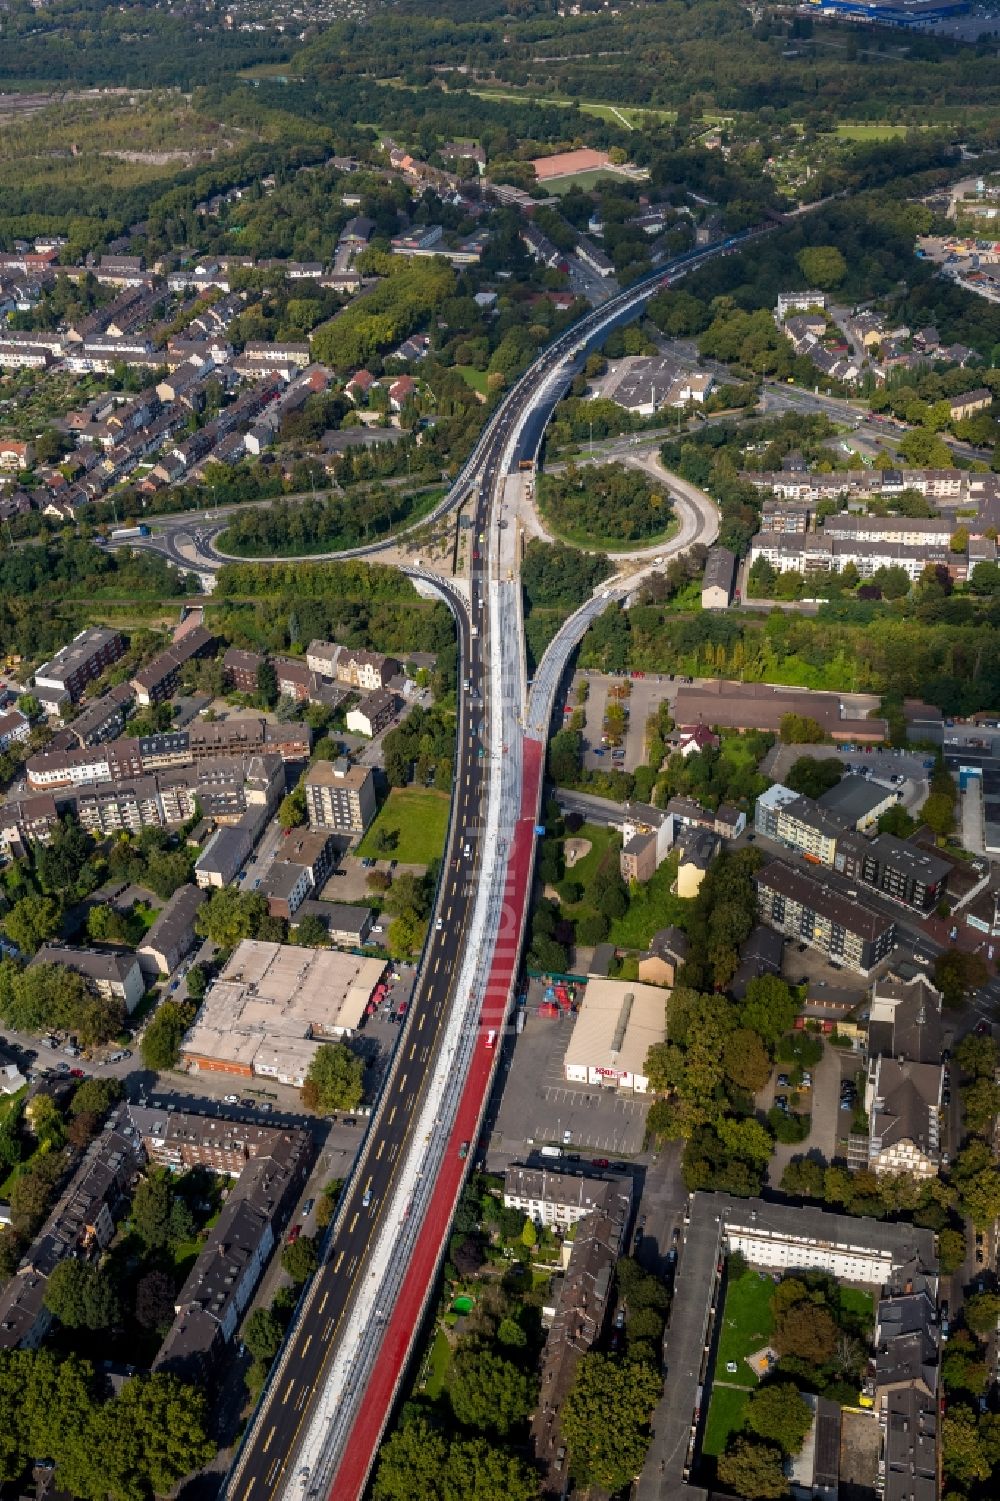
322, 525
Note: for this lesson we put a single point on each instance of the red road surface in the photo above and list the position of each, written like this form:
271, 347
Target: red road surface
349, 1481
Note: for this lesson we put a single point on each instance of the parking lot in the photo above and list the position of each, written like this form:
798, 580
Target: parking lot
539, 1107
880, 765
645, 696
828, 1122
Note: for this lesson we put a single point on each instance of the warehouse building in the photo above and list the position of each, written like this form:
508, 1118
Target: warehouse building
618, 1022
274, 1004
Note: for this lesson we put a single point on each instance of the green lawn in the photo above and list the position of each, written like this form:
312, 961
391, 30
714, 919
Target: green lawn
725, 1416
746, 1326
584, 870
854, 1300
584, 180
877, 130
438, 1362
419, 816
473, 377
650, 908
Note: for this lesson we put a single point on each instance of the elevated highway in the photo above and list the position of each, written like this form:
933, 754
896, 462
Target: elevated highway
318, 1423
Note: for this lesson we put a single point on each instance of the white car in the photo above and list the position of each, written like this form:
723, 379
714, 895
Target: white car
231, 1099
439, 925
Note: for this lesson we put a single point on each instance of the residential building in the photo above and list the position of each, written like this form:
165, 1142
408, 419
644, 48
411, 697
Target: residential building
618, 1022
557, 1200
274, 1004
717, 584
581, 1311
907, 872
820, 552
798, 822
113, 975
15, 728
903, 1100
172, 935
81, 1225
157, 681
226, 851
905, 1020
760, 955
798, 302
367, 670
340, 797
102, 719
25, 820
698, 848
971, 402
637, 861
84, 659
668, 950
303, 862
348, 927
223, 1279
374, 713
811, 911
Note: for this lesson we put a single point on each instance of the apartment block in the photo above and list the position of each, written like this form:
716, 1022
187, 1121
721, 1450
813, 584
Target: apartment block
84, 659
907, 872
808, 910
340, 797
114, 976
157, 681
798, 822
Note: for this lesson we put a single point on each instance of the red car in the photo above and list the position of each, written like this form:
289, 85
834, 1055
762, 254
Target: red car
601, 1162
294, 1234
76, 1073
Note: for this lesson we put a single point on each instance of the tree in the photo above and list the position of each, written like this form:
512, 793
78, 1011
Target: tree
746, 1060
768, 1008
951, 1250
977, 1056
262, 1334
605, 1419
160, 1216
154, 1301
292, 809
197, 982
807, 1330
161, 1041
488, 1392
418, 1462
267, 684
957, 974
964, 1458
95, 1096
980, 1104
81, 1296
311, 932
813, 775
938, 812
755, 1471
231, 915
823, 266
799, 729
529, 1235
33, 920
299, 1259
335, 1080
981, 1313
778, 1412
161, 1428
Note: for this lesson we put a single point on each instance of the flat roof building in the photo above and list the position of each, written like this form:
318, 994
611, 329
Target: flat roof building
84, 659
618, 1022
340, 797
274, 1004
